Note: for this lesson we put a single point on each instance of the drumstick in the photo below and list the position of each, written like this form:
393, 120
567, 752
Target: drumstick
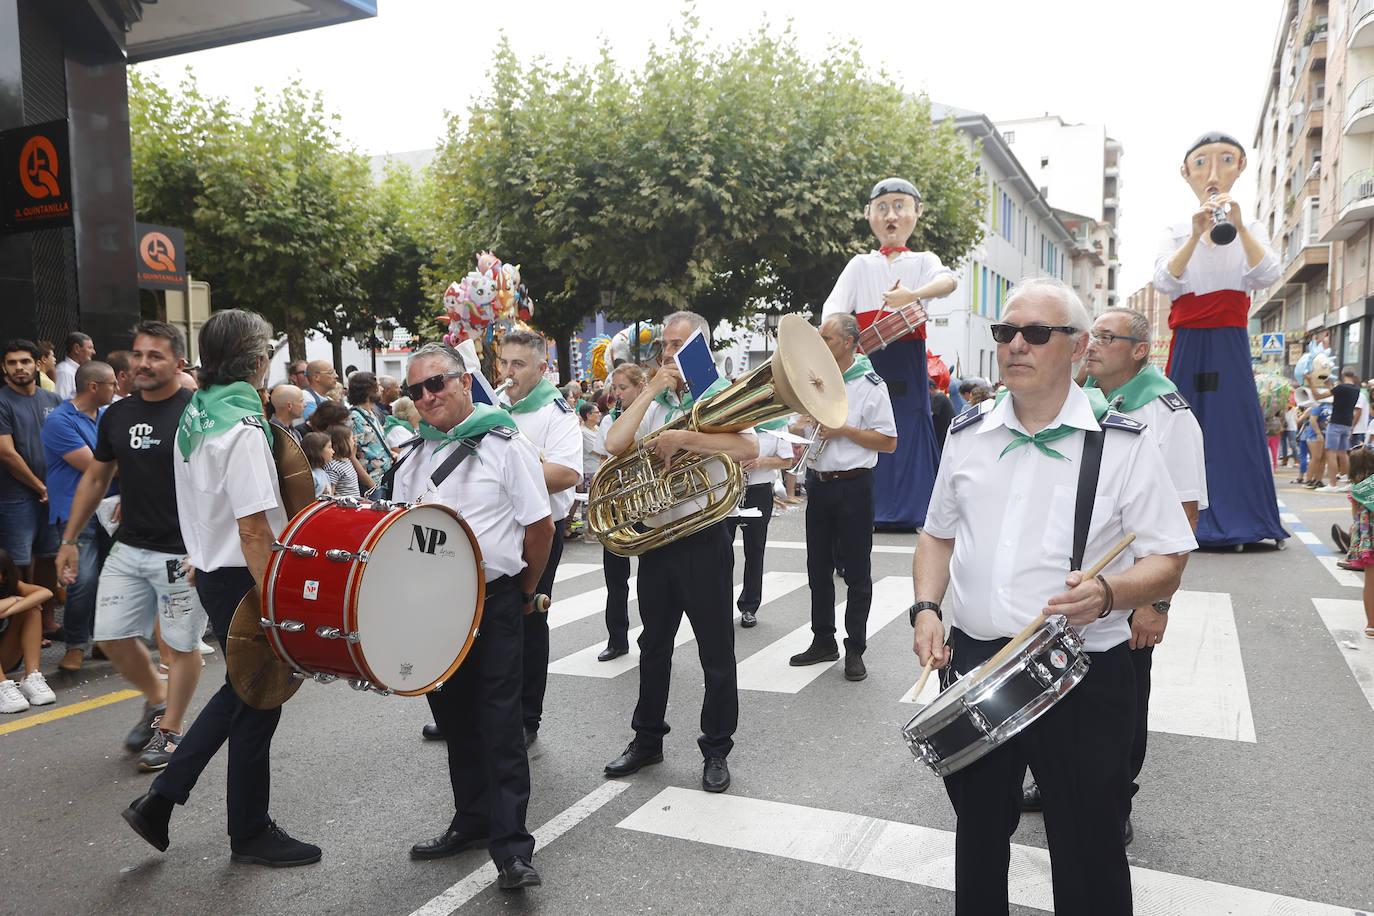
1034, 625
539, 604
925, 673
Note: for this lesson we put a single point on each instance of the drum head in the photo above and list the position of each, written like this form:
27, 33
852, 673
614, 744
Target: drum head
259, 677
419, 600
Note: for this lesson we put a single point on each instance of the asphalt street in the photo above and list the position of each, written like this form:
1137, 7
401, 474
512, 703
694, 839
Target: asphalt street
1253, 801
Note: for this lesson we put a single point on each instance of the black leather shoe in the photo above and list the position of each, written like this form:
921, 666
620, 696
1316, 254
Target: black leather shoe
637, 756
531, 735
854, 668
148, 815
748, 619
431, 732
516, 873
274, 848
715, 775
820, 651
610, 652
1031, 800
448, 843
1127, 832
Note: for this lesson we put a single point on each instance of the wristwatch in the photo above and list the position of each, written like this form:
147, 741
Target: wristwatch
67, 543
1161, 606
920, 606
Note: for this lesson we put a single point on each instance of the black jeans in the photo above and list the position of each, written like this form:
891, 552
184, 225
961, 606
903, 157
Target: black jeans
536, 678
1142, 661
839, 526
689, 576
478, 711
226, 717
615, 570
1077, 752
756, 496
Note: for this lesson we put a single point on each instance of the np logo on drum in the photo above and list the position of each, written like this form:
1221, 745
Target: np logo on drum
430, 541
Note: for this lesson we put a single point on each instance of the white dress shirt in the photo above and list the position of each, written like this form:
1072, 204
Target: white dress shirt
770, 446
498, 492
554, 431
1180, 444
1214, 267
228, 477
66, 379
869, 408
1011, 519
866, 277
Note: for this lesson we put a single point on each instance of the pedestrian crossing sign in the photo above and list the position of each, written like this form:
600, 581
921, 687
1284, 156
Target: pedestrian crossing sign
1271, 344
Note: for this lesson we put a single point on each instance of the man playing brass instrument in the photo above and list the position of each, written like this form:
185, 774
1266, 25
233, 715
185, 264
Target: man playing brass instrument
685, 576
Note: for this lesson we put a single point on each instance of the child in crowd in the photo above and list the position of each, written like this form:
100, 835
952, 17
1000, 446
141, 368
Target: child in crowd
319, 451
1314, 436
21, 635
343, 477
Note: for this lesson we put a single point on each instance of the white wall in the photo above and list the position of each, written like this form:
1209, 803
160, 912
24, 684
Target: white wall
1076, 160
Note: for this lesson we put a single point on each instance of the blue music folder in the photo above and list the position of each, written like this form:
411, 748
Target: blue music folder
696, 364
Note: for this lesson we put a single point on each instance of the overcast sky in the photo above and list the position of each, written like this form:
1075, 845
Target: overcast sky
1156, 74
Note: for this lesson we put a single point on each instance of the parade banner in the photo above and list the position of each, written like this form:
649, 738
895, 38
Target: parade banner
161, 257
35, 177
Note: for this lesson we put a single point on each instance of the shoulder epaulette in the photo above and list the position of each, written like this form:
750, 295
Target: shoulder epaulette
563, 405
970, 416
1175, 401
874, 377
411, 442
505, 432
1113, 420
252, 420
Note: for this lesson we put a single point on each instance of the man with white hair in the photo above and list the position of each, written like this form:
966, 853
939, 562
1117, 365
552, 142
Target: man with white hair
1001, 537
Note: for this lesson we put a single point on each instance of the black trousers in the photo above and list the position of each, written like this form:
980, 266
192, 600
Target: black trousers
226, 717
536, 678
1077, 753
478, 711
839, 526
689, 576
1142, 660
615, 570
756, 496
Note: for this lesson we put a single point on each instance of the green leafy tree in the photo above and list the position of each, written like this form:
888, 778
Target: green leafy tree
722, 180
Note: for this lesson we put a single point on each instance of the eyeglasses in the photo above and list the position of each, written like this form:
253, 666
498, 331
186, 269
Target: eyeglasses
1107, 338
1033, 334
434, 384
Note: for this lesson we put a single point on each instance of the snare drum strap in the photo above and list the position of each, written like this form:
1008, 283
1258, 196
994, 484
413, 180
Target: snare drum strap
465, 449
1087, 493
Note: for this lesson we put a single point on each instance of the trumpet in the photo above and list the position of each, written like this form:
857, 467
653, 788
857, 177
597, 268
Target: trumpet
1223, 230
815, 446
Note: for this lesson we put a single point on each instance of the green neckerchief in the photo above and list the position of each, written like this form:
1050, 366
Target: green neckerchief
772, 425
1147, 384
1042, 439
860, 367
1363, 493
686, 401
483, 417
542, 394
215, 410
394, 422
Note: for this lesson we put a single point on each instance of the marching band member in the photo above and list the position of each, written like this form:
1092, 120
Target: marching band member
775, 453
689, 575
548, 421
839, 504
230, 511
627, 384
499, 487
889, 279
1000, 536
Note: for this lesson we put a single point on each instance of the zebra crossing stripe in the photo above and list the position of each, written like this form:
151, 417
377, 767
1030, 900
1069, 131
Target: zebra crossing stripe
568, 571
1344, 617
918, 855
564, 611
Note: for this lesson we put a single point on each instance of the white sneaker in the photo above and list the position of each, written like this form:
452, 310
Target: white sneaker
205, 648
36, 690
11, 700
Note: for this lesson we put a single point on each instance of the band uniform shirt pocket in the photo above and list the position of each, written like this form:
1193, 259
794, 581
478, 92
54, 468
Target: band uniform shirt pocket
1059, 525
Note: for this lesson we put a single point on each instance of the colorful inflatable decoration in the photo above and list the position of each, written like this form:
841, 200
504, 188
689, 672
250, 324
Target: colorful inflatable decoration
937, 371
1314, 368
650, 344
486, 303
597, 356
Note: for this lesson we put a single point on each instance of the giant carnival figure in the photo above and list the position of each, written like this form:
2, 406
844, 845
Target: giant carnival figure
884, 289
1208, 267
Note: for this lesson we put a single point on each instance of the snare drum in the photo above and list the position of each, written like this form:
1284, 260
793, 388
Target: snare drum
979, 713
388, 596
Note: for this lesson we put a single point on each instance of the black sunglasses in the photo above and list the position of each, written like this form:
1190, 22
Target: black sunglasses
1033, 334
434, 384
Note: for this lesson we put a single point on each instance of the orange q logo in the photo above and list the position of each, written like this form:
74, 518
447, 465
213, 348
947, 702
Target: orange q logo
158, 252
38, 168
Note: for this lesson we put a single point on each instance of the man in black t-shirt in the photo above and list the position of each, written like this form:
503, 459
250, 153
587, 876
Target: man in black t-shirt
941, 414
1345, 413
145, 576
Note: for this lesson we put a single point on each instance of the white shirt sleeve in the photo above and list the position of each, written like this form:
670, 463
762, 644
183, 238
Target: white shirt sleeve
564, 445
523, 481
877, 412
841, 298
249, 488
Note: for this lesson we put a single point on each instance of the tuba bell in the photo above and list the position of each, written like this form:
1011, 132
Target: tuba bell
636, 503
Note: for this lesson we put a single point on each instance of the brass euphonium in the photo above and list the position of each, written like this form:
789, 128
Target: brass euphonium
635, 504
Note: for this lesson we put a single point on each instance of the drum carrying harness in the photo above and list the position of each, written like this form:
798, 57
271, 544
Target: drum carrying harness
467, 447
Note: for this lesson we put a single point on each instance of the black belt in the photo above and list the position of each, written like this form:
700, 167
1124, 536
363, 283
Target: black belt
827, 476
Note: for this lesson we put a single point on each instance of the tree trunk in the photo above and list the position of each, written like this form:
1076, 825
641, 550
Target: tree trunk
295, 336
336, 345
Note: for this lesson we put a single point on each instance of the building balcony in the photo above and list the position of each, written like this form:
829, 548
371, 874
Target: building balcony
1359, 108
1309, 262
1361, 27
1357, 206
